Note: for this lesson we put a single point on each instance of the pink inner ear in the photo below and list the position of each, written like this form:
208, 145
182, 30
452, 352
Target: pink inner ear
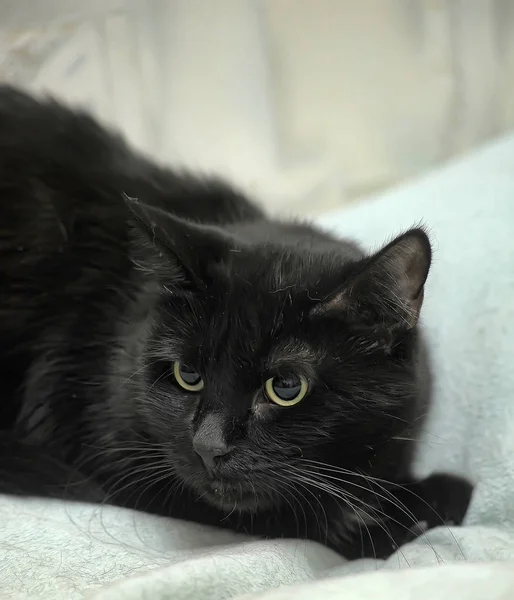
415, 305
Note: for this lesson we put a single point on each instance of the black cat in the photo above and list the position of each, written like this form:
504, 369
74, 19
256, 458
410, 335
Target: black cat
166, 346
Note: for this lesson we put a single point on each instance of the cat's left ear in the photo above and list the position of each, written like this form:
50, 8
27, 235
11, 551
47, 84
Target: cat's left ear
385, 292
192, 249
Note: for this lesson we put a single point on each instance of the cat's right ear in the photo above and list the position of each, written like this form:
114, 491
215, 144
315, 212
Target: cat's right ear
191, 250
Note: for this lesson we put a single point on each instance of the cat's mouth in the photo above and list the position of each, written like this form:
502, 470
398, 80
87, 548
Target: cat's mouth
231, 496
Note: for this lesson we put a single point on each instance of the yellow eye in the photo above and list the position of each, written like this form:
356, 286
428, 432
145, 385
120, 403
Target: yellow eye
286, 391
187, 378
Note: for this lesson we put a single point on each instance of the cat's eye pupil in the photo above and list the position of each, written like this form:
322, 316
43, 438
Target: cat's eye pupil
287, 388
189, 375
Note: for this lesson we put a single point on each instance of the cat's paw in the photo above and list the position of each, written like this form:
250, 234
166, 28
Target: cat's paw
447, 499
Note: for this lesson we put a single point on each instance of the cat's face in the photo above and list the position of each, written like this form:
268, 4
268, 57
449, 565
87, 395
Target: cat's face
282, 360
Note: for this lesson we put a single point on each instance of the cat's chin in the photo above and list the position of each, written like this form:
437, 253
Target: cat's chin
233, 497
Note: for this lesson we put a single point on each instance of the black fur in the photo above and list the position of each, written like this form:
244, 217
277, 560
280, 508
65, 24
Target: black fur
112, 268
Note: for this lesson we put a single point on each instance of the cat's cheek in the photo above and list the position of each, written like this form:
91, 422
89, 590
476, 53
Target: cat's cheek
175, 417
264, 411
185, 409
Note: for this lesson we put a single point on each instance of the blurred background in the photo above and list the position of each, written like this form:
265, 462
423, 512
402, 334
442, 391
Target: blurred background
308, 104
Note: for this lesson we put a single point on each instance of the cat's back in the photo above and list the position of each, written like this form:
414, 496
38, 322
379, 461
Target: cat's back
45, 131
45, 139
59, 189
58, 180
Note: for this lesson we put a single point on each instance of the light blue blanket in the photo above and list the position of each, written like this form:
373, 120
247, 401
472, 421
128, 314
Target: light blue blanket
55, 550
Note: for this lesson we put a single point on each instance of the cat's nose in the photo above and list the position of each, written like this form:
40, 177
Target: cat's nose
209, 452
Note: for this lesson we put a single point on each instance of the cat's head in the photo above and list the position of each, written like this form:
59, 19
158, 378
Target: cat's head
276, 351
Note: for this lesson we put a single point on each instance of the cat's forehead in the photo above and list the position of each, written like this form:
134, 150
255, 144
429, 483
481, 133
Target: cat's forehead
249, 337
272, 271
262, 308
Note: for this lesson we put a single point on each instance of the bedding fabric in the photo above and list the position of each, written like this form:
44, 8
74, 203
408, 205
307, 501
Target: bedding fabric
51, 549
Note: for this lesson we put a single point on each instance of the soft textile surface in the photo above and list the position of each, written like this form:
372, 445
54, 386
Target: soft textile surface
53, 550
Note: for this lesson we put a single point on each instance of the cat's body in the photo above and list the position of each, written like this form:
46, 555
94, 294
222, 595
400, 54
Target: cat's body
113, 271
